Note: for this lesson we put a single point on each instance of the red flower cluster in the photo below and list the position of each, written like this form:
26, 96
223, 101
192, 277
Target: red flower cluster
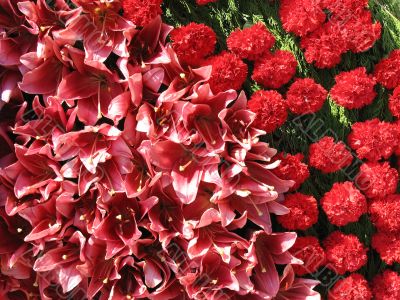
275, 69
303, 212
228, 72
373, 139
141, 12
387, 71
270, 108
305, 96
386, 286
349, 27
394, 102
292, 168
344, 253
377, 179
385, 213
193, 42
301, 17
354, 89
388, 246
344, 204
310, 252
251, 43
353, 287
126, 174
328, 156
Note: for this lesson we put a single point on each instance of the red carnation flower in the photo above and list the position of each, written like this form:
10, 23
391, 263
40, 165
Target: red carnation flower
325, 46
354, 89
228, 72
275, 69
377, 179
386, 286
305, 96
394, 102
344, 6
141, 12
310, 252
373, 139
353, 287
385, 213
270, 109
328, 156
301, 17
387, 71
292, 168
388, 246
303, 212
193, 42
344, 253
359, 31
251, 43
204, 2
344, 204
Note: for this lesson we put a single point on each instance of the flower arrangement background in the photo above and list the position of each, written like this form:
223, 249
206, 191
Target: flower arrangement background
130, 168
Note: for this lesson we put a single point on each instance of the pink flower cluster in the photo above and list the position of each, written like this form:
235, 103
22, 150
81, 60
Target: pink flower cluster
127, 173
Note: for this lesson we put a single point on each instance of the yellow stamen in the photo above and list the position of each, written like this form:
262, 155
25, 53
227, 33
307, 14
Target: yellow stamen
183, 167
119, 217
64, 257
19, 230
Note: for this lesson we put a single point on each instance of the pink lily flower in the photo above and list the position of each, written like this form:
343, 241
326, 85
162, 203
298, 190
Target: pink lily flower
130, 283
207, 234
15, 38
212, 280
33, 172
120, 227
181, 81
43, 19
97, 90
61, 261
91, 145
100, 27
296, 288
50, 120
101, 271
185, 165
237, 121
45, 222
166, 215
83, 210
268, 250
156, 272
147, 45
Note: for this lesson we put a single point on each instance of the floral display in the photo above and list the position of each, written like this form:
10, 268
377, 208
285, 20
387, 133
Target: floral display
199, 149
